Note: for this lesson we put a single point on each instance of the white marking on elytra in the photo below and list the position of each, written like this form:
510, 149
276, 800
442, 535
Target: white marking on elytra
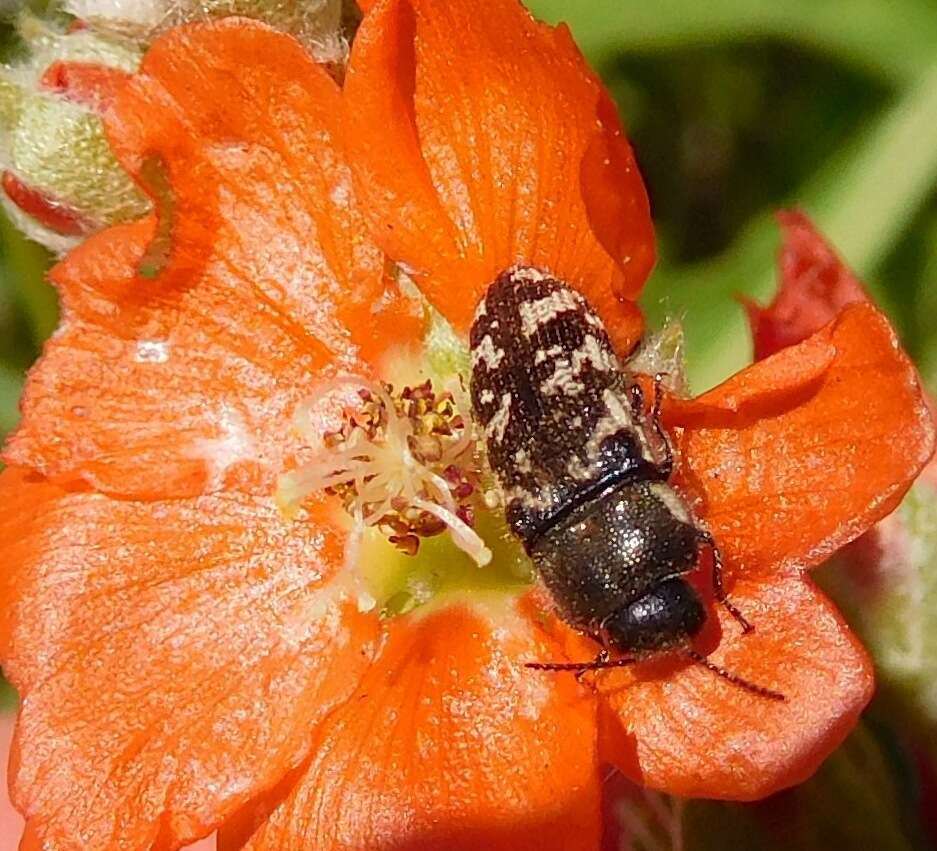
542, 310
619, 413
600, 357
563, 381
522, 461
575, 469
546, 354
617, 418
671, 499
485, 352
529, 274
499, 422
567, 370
486, 396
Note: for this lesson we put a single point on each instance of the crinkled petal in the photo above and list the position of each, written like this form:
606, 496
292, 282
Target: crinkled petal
481, 139
675, 726
787, 478
173, 658
815, 286
165, 386
766, 387
449, 743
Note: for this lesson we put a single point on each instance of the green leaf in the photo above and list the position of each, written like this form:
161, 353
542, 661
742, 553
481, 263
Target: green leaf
894, 40
8, 698
11, 385
924, 306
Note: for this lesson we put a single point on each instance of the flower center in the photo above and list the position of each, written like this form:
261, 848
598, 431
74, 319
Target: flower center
406, 467
441, 571
401, 462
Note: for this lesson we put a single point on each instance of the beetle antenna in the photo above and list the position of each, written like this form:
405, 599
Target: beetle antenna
602, 662
580, 667
735, 679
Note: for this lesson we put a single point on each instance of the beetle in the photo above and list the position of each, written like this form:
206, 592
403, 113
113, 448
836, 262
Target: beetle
585, 474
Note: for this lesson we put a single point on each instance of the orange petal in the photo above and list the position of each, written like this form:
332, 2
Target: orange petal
765, 387
448, 743
173, 657
203, 392
480, 139
815, 286
691, 733
784, 486
159, 387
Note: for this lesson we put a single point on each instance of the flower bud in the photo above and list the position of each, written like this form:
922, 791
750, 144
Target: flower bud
60, 180
315, 22
11, 99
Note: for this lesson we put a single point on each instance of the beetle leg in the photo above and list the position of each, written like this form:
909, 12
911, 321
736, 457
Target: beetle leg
601, 662
661, 470
665, 467
719, 591
600, 659
637, 400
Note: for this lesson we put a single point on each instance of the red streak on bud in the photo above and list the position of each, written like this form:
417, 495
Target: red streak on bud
77, 26
84, 83
44, 209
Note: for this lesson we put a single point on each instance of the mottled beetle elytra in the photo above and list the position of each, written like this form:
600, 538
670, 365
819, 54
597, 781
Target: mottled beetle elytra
585, 475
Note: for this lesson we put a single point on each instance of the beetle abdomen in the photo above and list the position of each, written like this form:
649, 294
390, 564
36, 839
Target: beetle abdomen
552, 397
615, 549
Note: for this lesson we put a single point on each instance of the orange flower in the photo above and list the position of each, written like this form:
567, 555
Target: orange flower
189, 658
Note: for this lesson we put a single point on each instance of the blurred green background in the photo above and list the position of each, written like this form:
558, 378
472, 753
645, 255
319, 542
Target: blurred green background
735, 108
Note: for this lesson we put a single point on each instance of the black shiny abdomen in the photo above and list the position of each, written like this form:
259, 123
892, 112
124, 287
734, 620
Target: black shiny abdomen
606, 561
584, 489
